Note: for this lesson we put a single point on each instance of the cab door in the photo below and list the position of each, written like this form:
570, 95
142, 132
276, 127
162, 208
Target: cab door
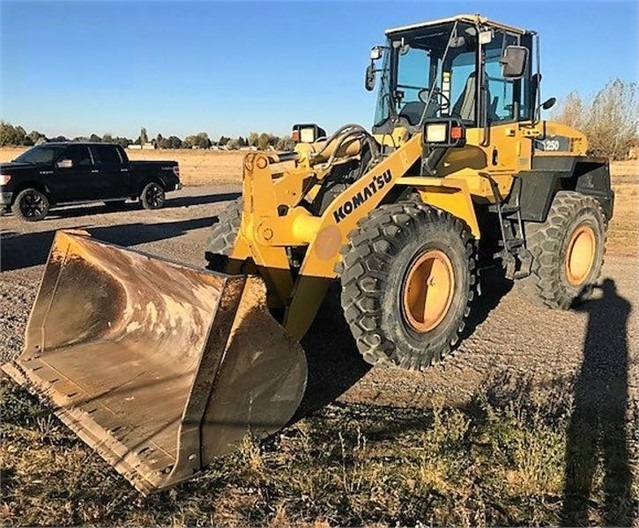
72, 175
507, 150
113, 174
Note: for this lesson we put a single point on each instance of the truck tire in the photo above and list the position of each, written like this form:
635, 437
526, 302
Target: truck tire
31, 205
223, 235
568, 251
152, 196
408, 279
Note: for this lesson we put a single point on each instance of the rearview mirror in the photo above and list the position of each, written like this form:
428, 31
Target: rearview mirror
549, 103
376, 53
65, 164
513, 62
369, 83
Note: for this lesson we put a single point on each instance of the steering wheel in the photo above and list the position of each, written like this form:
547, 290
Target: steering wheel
424, 95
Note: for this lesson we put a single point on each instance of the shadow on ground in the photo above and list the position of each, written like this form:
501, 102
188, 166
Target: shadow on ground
597, 433
24, 250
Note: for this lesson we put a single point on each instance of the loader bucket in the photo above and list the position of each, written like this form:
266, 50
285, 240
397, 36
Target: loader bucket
157, 366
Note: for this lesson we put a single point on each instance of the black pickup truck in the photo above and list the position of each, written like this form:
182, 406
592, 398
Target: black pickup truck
54, 174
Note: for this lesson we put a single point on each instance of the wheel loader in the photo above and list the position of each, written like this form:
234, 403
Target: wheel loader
161, 367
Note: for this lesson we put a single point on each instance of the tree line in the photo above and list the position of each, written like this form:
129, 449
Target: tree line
17, 136
610, 121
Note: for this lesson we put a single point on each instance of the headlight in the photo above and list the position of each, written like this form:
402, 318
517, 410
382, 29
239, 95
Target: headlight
437, 132
4, 179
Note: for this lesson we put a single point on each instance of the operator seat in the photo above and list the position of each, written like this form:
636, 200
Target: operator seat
464, 107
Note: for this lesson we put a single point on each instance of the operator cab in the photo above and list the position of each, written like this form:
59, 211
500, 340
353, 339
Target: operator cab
467, 68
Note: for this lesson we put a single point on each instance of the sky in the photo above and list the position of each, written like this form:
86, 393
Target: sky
232, 67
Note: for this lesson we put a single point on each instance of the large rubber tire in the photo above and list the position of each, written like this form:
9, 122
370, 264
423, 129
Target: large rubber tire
223, 236
377, 264
152, 196
31, 205
550, 242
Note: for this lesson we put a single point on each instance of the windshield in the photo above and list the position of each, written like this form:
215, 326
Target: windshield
411, 83
430, 72
42, 154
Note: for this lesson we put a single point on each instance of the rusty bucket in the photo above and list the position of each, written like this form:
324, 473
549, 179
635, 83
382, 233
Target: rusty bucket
157, 366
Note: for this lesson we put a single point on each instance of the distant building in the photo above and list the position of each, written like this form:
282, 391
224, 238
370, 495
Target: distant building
146, 146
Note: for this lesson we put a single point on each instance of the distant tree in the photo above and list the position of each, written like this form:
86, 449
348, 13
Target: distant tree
94, 138
107, 138
263, 141
612, 124
174, 142
223, 141
610, 121
60, 139
122, 141
202, 140
571, 112
35, 136
285, 144
144, 138
189, 141
252, 139
242, 142
27, 142
11, 135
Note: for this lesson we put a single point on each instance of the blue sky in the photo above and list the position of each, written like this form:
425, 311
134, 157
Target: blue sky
232, 67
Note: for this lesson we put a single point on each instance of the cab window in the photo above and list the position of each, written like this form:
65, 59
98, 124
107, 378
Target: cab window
106, 155
79, 154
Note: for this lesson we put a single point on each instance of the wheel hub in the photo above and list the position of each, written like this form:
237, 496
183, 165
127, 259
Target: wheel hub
580, 255
428, 290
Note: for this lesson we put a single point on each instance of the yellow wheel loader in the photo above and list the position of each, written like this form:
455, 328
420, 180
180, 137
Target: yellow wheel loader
161, 367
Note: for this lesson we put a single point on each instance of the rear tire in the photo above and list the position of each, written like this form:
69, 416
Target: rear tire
30, 205
408, 281
568, 250
223, 237
152, 196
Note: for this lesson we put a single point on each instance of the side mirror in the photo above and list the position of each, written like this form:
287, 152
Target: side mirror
549, 103
65, 164
513, 62
376, 53
369, 83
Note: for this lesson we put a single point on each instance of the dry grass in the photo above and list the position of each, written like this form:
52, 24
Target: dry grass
206, 167
497, 461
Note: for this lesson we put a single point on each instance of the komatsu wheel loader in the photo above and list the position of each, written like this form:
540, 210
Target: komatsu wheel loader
161, 367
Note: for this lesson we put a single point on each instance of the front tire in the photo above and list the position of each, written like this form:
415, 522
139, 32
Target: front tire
408, 281
31, 205
152, 196
223, 235
568, 250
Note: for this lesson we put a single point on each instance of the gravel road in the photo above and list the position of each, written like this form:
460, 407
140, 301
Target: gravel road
507, 335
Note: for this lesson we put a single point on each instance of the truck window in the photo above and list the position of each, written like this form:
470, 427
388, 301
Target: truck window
106, 155
79, 154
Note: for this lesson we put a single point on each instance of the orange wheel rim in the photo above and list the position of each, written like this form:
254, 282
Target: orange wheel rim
428, 290
580, 254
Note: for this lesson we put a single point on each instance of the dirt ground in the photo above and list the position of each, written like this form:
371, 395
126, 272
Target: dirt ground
509, 333
507, 337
